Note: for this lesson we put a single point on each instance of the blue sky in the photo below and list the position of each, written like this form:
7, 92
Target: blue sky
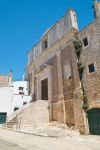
22, 22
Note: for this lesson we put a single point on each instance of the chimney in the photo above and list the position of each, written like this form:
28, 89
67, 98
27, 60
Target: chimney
10, 78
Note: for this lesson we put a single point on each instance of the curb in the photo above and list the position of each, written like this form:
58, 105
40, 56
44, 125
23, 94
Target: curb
35, 134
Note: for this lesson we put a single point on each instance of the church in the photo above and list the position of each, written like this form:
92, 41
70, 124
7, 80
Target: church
64, 70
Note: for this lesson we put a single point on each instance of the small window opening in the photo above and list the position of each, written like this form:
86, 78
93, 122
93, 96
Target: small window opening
85, 41
70, 78
91, 68
24, 103
16, 108
45, 44
21, 88
67, 72
21, 93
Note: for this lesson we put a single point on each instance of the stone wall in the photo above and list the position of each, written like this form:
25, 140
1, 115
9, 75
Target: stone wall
68, 83
53, 34
66, 98
55, 91
36, 115
91, 54
69, 109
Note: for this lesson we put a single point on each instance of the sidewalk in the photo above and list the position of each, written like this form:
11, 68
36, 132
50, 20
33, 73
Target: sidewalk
69, 141
50, 131
54, 130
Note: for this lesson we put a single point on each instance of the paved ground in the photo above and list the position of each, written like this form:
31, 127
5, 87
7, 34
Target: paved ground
4, 145
10, 140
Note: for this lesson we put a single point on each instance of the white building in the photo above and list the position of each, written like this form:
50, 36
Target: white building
6, 97
21, 96
6, 103
13, 95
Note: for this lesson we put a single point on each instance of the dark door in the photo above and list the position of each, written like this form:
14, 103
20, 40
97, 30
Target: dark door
44, 89
94, 121
3, 117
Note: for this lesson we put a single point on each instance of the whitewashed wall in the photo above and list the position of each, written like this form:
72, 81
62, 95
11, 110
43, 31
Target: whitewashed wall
18, 100
6, 100
18, 84
10, 98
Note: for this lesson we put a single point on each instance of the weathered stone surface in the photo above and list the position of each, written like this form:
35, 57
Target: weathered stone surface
34, 116
65, 98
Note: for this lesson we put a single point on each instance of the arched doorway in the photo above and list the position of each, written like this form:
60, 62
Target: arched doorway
94, 121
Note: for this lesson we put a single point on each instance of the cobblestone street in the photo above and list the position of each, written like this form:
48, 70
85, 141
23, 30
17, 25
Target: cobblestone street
10, 140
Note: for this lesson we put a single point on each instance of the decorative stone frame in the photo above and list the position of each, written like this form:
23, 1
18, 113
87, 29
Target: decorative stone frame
45, 73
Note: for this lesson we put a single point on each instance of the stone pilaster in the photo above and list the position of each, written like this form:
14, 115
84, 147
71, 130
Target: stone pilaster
61, 103
32, 90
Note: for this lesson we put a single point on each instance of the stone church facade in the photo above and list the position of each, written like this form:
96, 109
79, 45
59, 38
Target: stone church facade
53, 73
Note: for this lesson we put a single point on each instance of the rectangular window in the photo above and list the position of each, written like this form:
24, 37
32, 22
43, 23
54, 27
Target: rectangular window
45, 44
24, 103
85, 42
91, 68
21, 93
67, 72
16, 108
21, 88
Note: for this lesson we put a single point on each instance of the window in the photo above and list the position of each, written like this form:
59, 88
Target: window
85, 41
91, 68
67, 72
16, 108
21, 93
24, 103
21, 88
70, 77
45, 44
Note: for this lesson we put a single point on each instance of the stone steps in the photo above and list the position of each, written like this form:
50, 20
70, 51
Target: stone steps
35, 115
10, 124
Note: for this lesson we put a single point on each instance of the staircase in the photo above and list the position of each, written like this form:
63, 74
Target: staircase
34, 115
12, 120
10, 124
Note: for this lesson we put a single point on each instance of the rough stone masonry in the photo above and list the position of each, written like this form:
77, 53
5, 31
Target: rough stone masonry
52, 72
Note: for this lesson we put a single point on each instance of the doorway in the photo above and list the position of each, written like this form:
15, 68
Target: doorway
94, 121
44, 89
3, 117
